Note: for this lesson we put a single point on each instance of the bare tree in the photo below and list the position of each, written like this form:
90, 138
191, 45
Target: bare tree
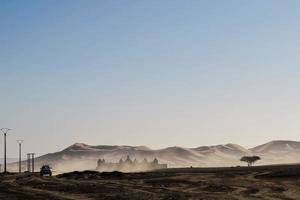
250, 159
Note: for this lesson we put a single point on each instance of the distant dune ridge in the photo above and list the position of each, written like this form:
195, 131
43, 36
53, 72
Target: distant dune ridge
81, 156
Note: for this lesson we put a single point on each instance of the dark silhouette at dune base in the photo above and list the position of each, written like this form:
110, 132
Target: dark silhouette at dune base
129, 165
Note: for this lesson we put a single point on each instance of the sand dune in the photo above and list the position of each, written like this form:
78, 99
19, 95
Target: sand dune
81, 156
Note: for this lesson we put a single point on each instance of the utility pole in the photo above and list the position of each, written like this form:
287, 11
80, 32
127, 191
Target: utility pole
28, 162
32, 162
20, 154
5, 131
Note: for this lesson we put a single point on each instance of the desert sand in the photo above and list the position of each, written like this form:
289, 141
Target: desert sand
79, 156
262, 182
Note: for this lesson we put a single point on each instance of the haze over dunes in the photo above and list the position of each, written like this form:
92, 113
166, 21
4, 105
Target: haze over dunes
81, 156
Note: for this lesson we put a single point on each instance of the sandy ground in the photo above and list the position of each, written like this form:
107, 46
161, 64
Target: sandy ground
265, 182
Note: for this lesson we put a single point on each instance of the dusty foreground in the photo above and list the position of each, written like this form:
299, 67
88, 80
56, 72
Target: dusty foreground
267, 182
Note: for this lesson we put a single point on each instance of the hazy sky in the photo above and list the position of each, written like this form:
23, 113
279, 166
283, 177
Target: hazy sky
155, 73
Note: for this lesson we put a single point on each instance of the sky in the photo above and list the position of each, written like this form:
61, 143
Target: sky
154, 73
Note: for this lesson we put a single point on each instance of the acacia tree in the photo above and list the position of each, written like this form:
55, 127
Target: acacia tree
250, 159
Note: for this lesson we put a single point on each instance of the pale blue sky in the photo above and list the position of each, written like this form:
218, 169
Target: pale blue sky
155, 73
